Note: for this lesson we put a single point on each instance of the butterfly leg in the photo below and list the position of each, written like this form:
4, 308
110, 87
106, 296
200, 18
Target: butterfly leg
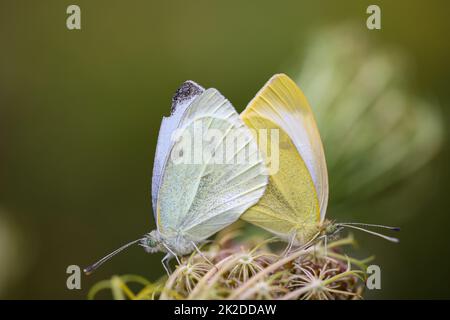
316, 240
165, 263
203, 256
290, 244
171, 253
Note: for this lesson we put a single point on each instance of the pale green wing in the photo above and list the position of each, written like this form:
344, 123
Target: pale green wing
202, 192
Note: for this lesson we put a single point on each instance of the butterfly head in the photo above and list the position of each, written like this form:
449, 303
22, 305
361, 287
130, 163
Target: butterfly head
152, 242
330, 229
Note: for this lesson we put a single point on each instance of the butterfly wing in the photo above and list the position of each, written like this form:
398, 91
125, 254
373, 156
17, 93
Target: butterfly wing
181, 100
297, 194
201, 192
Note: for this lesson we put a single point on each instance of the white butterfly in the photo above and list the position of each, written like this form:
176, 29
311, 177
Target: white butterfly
195, 194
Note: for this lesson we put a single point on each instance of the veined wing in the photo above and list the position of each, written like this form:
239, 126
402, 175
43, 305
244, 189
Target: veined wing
203, 191
282, 102
296, 196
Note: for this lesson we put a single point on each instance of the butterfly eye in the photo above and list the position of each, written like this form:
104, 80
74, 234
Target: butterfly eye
151, 242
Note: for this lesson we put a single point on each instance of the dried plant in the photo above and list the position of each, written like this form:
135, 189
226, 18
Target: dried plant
253, 268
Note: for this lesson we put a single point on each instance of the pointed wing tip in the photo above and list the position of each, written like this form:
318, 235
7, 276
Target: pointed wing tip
280, 76
186, 91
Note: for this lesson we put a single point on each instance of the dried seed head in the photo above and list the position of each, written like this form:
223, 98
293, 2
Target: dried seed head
248, 271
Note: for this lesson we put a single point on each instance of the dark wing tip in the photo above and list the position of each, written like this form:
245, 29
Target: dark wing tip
186, 91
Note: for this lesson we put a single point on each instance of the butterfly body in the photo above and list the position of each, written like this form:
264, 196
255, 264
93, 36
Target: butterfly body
295, 202
195, 192
207, 172
155, 242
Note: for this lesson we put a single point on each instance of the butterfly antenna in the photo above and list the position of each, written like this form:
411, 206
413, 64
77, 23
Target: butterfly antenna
354, 226
95, 266
371, 225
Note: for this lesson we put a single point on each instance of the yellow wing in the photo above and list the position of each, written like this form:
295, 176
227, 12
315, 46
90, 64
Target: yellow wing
297, 195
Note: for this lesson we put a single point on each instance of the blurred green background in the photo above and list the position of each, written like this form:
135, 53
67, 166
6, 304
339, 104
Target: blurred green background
80, 114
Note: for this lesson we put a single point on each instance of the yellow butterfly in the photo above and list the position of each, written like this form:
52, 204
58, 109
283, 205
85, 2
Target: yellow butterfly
294, 204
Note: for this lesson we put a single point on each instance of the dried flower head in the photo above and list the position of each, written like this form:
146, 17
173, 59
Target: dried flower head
253, 268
